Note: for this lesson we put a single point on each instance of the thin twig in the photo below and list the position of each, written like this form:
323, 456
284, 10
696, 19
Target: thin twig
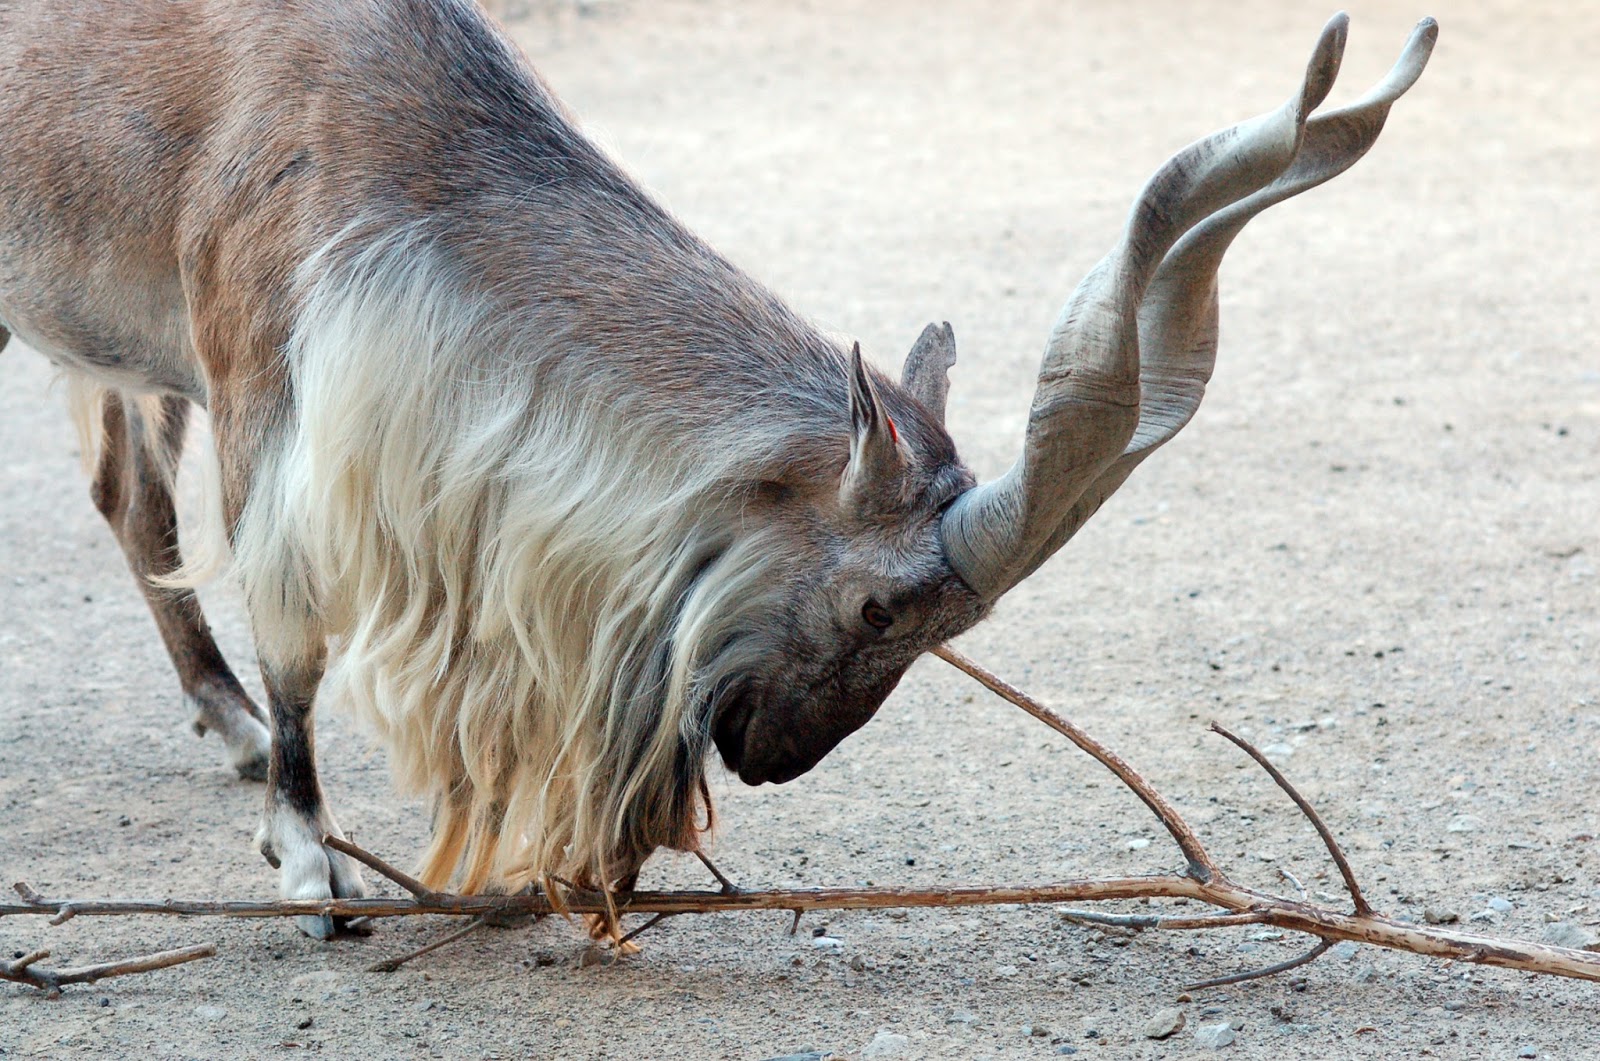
641, 930
728, 887
1311, 815
1272, 970
389, 965
51, 981
1292, 879
379, 866
1201, 866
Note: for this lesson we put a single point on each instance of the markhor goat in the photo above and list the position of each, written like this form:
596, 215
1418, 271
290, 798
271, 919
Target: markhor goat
507, 459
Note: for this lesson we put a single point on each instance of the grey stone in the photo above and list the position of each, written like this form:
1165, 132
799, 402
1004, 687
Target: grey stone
1436, 915
808, 1055
1464, 823
886, 1044
1215, 1036
1345, 951
1528, 1051
828, 943
1164, 1023
1500, 906
210, 1012
1568, 934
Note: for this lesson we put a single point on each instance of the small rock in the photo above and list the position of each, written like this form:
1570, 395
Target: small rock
805, 1055
1455, 1005
1004, 971
1528, 1051
210, 1012
1166, 1022
1066, 1049
961, 1017
1500, 906
1138, 844
313, 987
1345, 951
1276, 752
1215, 1036
1237, 1024
885, 1044
1567, 934
858, 963
1036, 1031
828, 943
1435, 915
1464, 823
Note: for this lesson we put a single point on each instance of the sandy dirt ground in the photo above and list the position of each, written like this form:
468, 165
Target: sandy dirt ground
1375, 551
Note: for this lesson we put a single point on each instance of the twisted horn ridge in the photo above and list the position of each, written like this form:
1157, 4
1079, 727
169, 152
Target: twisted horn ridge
1100, 407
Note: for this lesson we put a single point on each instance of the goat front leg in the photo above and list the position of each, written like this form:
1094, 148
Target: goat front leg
296, 816
291, 645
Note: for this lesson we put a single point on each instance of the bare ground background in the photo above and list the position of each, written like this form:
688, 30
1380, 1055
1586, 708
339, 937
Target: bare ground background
1375, 550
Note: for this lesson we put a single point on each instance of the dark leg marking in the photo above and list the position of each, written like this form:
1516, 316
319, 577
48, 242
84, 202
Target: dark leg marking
296, 817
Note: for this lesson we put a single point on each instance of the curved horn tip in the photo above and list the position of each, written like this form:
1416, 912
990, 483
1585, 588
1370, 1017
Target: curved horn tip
1323, 67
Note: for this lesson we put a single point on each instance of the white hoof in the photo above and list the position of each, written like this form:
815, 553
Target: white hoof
306, 869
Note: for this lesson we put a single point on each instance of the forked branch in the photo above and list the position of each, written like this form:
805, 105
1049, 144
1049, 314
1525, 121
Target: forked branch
26, 970
1203, 880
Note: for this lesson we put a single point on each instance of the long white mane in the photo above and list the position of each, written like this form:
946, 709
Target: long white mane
530, 595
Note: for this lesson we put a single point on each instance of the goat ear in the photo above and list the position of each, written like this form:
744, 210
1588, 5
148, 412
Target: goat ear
927, 368
877, 458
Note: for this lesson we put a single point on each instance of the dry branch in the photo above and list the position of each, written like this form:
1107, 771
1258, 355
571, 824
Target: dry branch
1202, 880
24, 970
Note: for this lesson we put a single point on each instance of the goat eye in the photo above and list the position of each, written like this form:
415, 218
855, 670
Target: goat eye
876, 615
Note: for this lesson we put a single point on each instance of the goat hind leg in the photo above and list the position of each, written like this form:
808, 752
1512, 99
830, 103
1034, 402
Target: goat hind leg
141, 443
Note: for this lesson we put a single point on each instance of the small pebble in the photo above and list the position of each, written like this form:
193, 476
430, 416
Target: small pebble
830, 943
1464, 823
1066, 1049
1138, 844
961, 1017
1500, 906
1165, 1023
1215, 1036
1435, 915
210, 1012
858, 964
1527, 1051
1004, 971
1036, 1031
303, 1023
